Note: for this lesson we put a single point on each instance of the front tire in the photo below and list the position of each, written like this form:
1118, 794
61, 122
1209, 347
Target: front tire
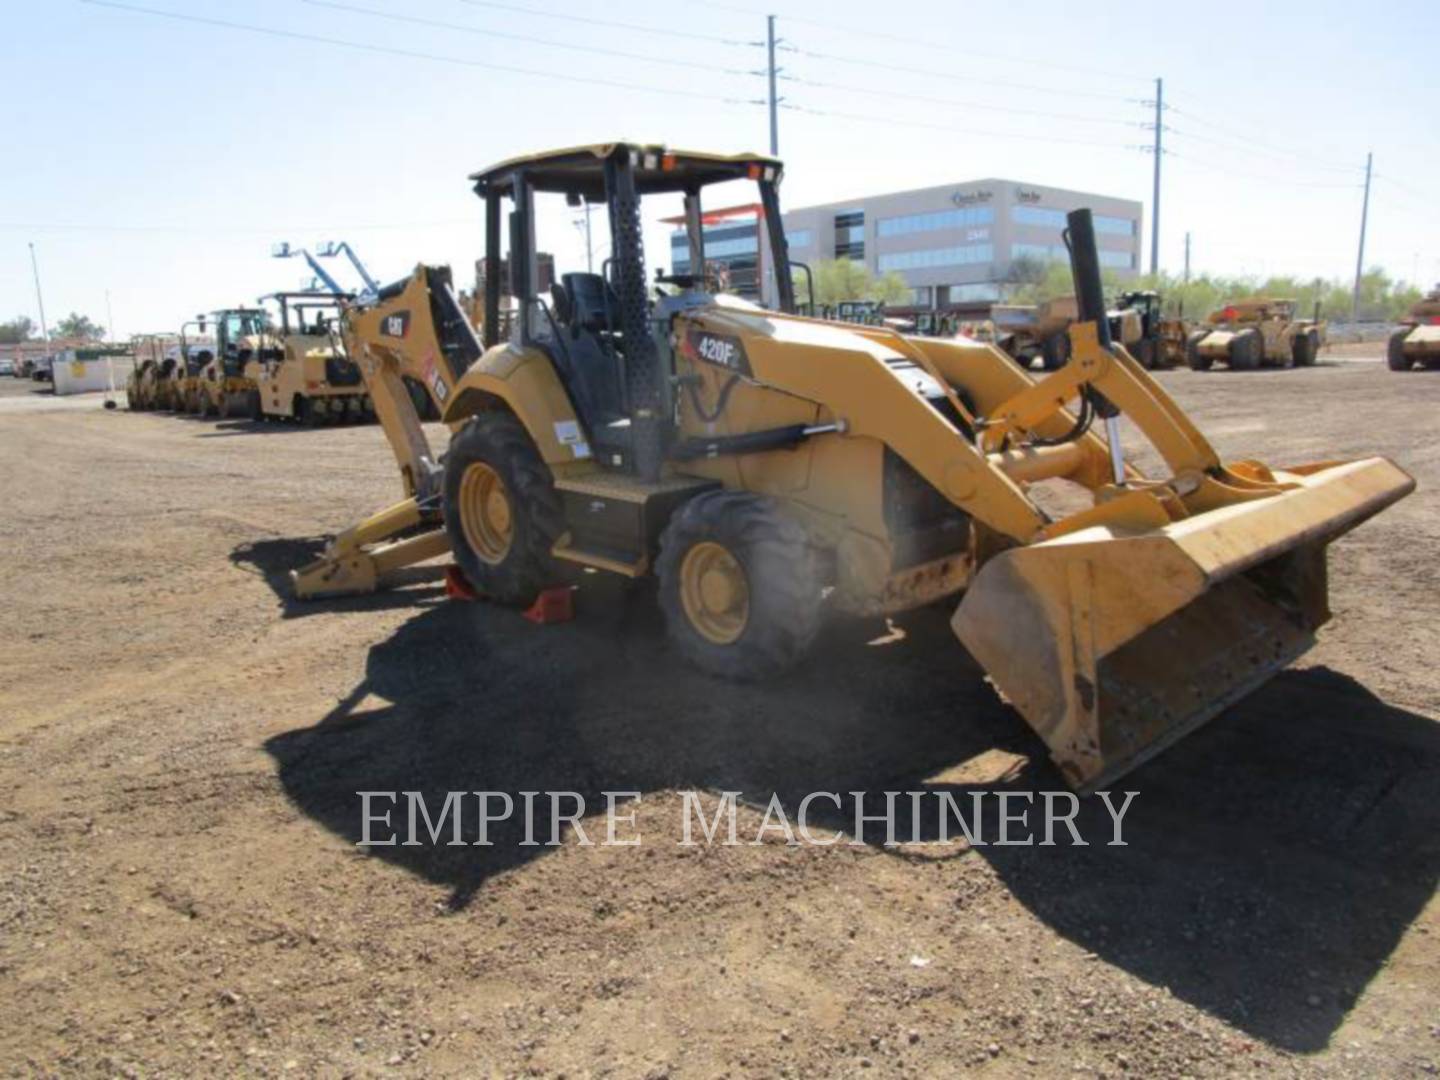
502, 512
740, 585
1395, 358
1245, 351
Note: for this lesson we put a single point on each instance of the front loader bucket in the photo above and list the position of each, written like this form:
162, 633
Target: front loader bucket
1113, 644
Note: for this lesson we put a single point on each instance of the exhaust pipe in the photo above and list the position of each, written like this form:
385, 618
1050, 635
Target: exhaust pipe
1090, 300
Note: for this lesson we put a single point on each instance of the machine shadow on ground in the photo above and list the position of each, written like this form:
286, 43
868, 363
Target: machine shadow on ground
1274, 858
223, 428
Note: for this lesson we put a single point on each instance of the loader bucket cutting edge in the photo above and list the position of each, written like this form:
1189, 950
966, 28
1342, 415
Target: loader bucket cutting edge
1113, 644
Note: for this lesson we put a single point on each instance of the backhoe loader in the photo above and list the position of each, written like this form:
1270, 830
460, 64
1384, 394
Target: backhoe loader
764, 466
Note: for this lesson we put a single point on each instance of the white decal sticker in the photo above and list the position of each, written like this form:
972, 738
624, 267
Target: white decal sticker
567, 432
580, 449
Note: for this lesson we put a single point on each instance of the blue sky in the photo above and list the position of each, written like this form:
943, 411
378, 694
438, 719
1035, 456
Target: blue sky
160, 159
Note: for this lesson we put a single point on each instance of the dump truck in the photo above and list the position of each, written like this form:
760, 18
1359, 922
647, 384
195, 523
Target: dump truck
301, 371
768, 469
1248, 334
1030, 331
1417, 342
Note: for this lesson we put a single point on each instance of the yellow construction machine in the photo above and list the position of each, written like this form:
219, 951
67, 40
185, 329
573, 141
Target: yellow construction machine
302, 371
152, 352
764, 467
221, 387
1418, 340
1247, 334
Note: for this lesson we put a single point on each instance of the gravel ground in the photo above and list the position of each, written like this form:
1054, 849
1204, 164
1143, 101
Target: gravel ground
181, 747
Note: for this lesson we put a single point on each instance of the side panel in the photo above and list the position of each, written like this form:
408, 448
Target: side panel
525, 382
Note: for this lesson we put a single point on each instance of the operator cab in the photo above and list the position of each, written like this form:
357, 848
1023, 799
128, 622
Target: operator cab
606, 332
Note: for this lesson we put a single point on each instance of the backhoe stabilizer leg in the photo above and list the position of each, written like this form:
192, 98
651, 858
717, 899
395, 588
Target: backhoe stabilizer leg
366, 557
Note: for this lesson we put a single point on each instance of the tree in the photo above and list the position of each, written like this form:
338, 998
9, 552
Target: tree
892, 289
839, 280
79, 326
16, 330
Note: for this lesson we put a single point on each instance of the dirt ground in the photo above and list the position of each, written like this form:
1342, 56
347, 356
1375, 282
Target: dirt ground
181, 747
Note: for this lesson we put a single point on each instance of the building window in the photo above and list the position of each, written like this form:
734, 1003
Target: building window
935, 220
1120, 260
968, 294
1042, 252
1038, 215
799, 238
921, 260
1114, 225
850, 235
921, 297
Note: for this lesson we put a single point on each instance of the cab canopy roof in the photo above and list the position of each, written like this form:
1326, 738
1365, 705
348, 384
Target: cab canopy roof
580, 170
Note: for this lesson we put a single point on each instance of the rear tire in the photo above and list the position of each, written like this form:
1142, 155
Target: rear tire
1193, 357
306, 413
502, 512
1055, 352
740, 585
1145, 353
1395, 358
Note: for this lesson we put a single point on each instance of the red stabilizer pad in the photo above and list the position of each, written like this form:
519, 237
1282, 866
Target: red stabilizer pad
456, 585
552, 606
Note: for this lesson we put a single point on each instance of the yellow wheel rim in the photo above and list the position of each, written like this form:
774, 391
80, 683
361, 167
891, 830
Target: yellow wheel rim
485, 513
714, 593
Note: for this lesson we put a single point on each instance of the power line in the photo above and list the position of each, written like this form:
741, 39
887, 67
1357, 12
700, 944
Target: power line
907, 69
950, 128
639, 28
413, 54
506, 35
870, 33
1266, 144
955, 103
1281, 180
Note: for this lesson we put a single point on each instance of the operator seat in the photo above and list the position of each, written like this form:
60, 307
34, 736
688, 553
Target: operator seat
588, 310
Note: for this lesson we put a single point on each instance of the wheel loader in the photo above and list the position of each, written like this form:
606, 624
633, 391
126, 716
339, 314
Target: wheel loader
1248, 334
221, 387
302, 372
767, 468
1418, 340
1138, 321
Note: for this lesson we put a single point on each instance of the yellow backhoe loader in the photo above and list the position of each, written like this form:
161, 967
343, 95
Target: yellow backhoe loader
765, 466
1418, 340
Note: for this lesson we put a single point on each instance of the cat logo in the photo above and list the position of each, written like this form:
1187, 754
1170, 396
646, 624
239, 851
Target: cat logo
397, 325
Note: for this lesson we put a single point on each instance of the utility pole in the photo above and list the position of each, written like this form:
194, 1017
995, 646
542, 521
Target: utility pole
774, 100
39, 298
1187, 258
1155, 200
1360, 258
